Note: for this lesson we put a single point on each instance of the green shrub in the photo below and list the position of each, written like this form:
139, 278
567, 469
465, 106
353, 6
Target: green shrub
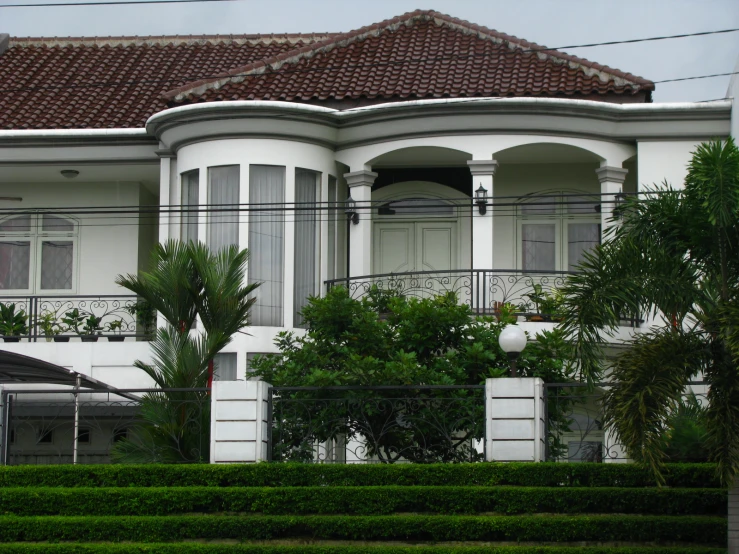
190, 548
547, 528
305, 475
358, 500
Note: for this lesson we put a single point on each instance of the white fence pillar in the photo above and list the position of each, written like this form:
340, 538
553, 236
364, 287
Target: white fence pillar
515, 418
239, 422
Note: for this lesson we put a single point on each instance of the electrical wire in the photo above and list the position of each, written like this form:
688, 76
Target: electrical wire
111, 3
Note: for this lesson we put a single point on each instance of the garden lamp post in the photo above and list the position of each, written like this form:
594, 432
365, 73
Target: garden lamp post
512, 340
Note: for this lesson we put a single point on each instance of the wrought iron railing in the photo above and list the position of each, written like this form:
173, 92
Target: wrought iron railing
383, 424
574, 427
59, 318
141, 425
532, 294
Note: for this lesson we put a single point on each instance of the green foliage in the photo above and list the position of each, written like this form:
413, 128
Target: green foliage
187, 281
12, 323
702, 530
543, 305
686, 439
215, 548
327, 475
359, 500
674, 257
83, 323
387, 339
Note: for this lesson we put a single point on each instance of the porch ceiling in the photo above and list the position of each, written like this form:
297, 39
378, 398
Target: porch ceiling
545, 153
19, 369
147, 174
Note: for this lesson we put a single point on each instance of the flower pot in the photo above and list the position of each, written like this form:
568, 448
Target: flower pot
61, 339
89, 338
116, 338
12, 339
536, 318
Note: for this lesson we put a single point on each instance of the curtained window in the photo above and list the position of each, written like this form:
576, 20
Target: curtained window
190, 199
267, 242
333, 215
224, 366
223, 193
306, 240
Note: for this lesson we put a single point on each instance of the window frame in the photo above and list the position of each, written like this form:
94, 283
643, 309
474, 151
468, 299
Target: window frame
36, 236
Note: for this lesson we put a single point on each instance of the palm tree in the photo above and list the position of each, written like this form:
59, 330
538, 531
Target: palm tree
674, 256
186, 281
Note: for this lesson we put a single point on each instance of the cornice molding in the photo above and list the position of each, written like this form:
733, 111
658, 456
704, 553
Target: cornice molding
611, 174
482, 167
360, 178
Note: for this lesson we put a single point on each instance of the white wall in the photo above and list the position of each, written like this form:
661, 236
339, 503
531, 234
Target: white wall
665, 160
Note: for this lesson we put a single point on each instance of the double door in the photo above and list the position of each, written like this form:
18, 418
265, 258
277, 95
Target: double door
413, 247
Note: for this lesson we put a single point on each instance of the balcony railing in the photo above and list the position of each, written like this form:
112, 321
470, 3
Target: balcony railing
60, 318
533, 294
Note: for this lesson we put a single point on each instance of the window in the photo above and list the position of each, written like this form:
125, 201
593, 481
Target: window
45, 437
224, 366
83, 436
333, 214
417, 206
190, 200
120, 434
249, 359
223, 191
267, 242
37, 253
306, 240
556, 229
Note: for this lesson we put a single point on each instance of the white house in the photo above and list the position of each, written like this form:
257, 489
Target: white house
480, 159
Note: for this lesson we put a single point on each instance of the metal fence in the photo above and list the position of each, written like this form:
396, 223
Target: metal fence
136, 425
390, 424
59, 318
574, 426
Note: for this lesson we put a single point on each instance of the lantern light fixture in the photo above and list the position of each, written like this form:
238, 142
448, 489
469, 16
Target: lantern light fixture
481, 199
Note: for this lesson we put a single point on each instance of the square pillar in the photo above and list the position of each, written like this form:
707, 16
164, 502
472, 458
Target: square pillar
483, 173
239, 422
611, 183
360, 235
514, 419
165, 193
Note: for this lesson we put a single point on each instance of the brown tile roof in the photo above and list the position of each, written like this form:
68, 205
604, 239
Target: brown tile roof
121, 81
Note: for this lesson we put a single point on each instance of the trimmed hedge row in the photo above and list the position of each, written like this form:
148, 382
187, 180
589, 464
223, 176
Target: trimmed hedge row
653, 529
359, 500
284, 549
189, 548
306, 475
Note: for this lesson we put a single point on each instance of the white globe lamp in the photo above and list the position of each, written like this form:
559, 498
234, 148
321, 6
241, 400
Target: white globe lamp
512, 340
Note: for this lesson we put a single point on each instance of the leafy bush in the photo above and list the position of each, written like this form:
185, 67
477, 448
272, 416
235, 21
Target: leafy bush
548, 528
158, 501
323, 475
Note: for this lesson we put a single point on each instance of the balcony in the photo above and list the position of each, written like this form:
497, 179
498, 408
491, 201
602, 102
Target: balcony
116, 318
534, 295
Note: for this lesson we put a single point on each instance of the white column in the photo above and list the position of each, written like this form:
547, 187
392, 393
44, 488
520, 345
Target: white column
239, 421
165, 157
483, 172
611, 183
360, 239
613, 451
514, 419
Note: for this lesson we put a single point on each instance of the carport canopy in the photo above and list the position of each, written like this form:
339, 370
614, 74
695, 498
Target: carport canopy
19, 369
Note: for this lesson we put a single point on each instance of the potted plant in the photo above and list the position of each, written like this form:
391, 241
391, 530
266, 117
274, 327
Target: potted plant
12, 323
146, 317
49, 326
115, 327
86, 325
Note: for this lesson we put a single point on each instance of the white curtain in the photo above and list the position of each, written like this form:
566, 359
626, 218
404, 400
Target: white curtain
267, 242
581, 237
57, 261
538, 247
190, 199
224, 366
306, 235
15, 264
223, 191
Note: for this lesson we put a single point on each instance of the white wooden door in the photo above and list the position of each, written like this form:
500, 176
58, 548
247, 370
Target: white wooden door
422, 246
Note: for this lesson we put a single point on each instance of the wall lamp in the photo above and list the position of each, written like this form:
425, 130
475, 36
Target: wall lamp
481, 199
351, 210
69, 173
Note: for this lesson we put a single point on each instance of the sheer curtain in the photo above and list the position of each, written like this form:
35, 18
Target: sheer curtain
267, 242
581, 238
223, 190
190, 199
306, 235
224, 366
538, 247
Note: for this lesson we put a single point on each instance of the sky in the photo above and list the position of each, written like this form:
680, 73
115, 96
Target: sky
552, 23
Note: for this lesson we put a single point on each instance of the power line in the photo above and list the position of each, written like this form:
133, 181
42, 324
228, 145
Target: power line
112, 3
697, 77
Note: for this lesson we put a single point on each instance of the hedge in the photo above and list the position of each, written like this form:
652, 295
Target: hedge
364, 549
707, 531
359, 500
306, 475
